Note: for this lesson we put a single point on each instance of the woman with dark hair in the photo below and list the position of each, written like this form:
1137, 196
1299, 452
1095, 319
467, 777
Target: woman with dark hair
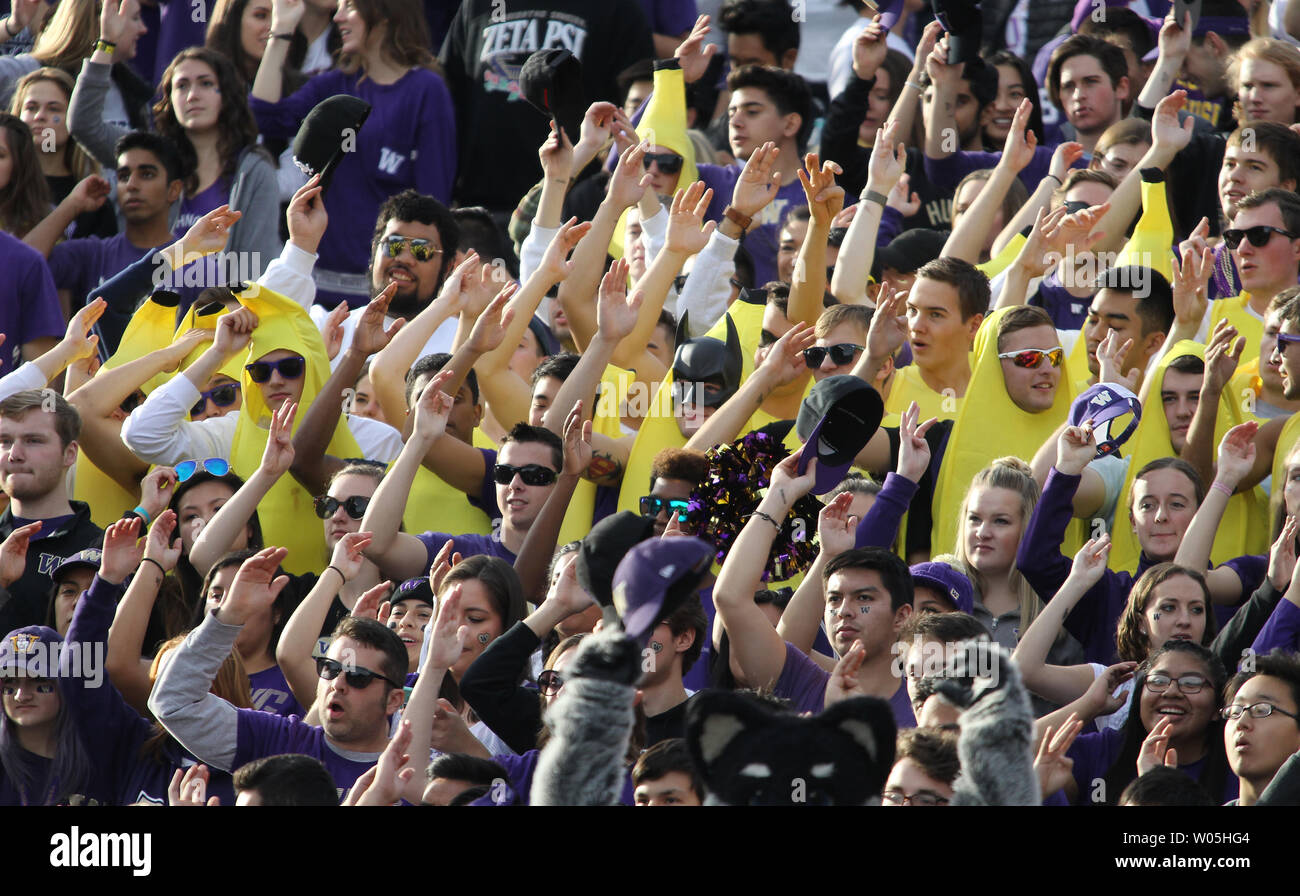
240, 31
203, 109
195, 503
1015, 82
409, 140
1173, 719
24, 195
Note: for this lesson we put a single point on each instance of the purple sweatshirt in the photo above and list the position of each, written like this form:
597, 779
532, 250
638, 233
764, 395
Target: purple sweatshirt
946, 174
765, 234
409, 141
879, 526
1282, 630
1095, 752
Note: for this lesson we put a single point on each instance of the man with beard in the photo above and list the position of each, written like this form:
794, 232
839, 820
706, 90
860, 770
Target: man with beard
415, 246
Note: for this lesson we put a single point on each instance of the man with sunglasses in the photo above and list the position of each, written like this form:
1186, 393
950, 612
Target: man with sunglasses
674, 474
841, 333
1262, 720
360, 688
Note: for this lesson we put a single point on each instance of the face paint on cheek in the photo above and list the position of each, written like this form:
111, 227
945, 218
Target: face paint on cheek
483, 638
656, 646
1155, 616
864, 610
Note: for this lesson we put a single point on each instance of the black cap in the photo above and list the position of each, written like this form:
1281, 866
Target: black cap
603, 549
552, 81
328, 131
910, 251
964, 23
836, 420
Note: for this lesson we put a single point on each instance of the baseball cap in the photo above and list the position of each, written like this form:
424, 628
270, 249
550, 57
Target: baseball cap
947, 581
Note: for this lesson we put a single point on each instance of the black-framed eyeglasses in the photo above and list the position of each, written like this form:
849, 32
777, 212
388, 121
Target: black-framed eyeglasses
223, 397
217, 466
668, 162
1032, 358
531, 474
421, 250
357, 677
1187, 684
549, 682
653, 505
355, 506
1259, 235
290, 368
841, 353
1257, 711
920, 798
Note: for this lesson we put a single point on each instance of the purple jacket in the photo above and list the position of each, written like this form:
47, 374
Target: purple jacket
878, 528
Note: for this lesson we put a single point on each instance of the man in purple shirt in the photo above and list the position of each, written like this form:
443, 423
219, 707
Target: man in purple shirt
359, 689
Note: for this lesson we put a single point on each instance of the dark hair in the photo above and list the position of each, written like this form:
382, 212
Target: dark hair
1275, 140
1187, 364
69, 770
1277, 664
479, 231
463, 767
372, 633
690, 617
668, 756
291, 779
973, 296
1182, 466
1165, 786
417, 208
285, 602
235, 125
787, 91
773, 21
641, 70
1022, 317
679, 463
934, 751
1130, 642
1155, 302
558, 366
25, 200
1287, 203
1215, 770
946, 628
162, 148
1110, 57
406, 37
432, 364
67, 422
893, 572
1120, 21
524, 434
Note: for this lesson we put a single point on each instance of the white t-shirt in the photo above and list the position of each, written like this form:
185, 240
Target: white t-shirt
1116, 719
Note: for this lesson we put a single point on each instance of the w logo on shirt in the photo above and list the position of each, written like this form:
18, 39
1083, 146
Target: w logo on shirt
389, 161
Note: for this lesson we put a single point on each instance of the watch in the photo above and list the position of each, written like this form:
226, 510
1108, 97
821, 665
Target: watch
735, 217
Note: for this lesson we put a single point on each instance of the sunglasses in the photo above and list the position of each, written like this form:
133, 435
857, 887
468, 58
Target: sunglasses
841, 354
531, 474
217, 466
1034, 357
355, 506
222, 396
1288, 338
290, 368
549, 682
1259, 235
356, 677
668, 162
1188, 684
421, 250
652, 505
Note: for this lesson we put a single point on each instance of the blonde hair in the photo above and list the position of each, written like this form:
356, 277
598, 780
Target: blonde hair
1013, 474
78, 161
69, 35
1264, 49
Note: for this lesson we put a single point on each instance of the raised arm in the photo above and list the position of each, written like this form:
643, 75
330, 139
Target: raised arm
285, 16
941, 114
825, 200
1063, 159
757, 651
802, 617
534, 557
967, 239
1236, 457
1098, 700
1173, 44
87, 196
853, 264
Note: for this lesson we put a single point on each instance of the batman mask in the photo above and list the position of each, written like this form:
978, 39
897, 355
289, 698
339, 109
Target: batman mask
706, 371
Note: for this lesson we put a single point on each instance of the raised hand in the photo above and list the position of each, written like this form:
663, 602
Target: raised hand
90, 193
869, 50
123, 551
1197, 240
1074, 231
629, 180
189, 787
837, 529
1111, 355
941, 72
371, 335
1101, 693
566, 594
1192, 271
456, 289
13, 553
687, 232
78, 341
1075, 448
901, 199
843, 682
577, 441
1221, 357
1037, 256
390, 775
115, 17
306, 216
332, 330
913, 449
888, 158
758, 183
1054, 767
159, 546
277, 456
787, 485
888, 330
208, 234
235, 332
616, 312
490, 326
255, 587
446, 638
348, 556
553, 264
1281, 557
1168, 135
1237, 453
442, 564
784, 362
285, 15
825, 197
157, 489
433, 408
695, 52
371, 604
1063, 159
1155, 750
556, 154
1090, 561
1018, 150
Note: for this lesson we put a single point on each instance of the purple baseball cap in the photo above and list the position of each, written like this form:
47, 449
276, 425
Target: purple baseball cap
655, 578
947, 581
90, 557
30, 652
1103, 403
836, 420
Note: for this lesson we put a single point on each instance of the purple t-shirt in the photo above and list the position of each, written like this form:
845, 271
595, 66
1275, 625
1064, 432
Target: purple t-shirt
1282, 630
271, 693
29, 303
266, 734
519, 776
200, 204
1067, 312
803, 683
80, 266
465, 545
1094, 752
669, 16
763, 237
181, 24
946, 174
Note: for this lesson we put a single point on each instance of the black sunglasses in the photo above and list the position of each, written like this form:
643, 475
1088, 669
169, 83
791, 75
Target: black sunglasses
421, 250
1259, 235
531, 474
357, 676
549, 682
290, 368
653, 505
841, 353
355, 506
223, 397
668, 162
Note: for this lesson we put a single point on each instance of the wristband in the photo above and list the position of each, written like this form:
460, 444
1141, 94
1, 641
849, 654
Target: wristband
12, 34
144, 515
874, 196
155, 563
1219, 486
107, 46
915, 86
288, 36
740, 220
1055, 178
761, 515
337, 570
